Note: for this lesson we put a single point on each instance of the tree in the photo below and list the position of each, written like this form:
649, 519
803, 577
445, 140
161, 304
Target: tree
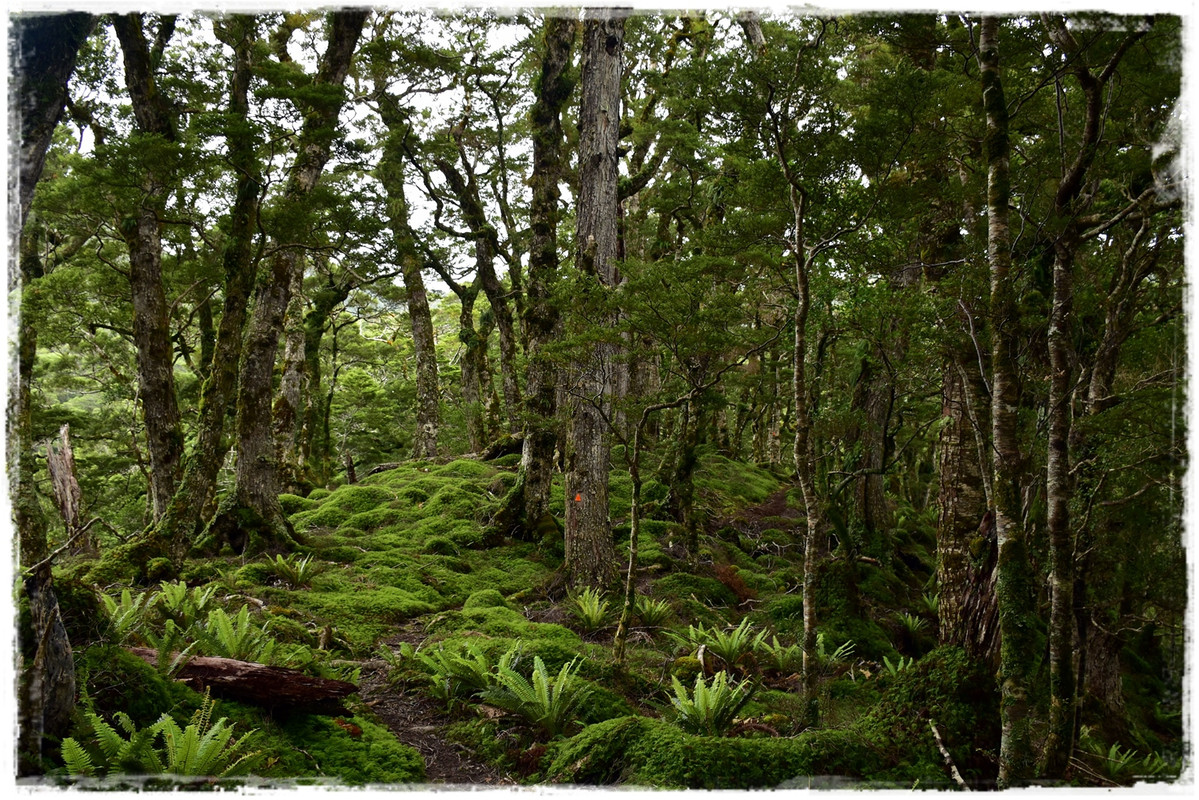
590, 557
257, 476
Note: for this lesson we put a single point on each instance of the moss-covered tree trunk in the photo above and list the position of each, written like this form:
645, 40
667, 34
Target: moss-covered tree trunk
553, 88
254, 510
962, 461
46, 50
590, 555
390, 173
288, 408
1014, 579
182, 519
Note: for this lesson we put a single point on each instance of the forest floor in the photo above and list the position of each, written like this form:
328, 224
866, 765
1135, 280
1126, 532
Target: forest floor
420, 722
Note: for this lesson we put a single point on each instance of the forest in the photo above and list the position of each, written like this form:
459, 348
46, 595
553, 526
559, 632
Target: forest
598, 397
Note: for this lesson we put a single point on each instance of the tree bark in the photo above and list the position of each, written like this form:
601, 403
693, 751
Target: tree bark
47, 50
288, 409
141, 231
962, 503
554, 87
1014, 580
183, 516
590, 554
391, 175
257, 480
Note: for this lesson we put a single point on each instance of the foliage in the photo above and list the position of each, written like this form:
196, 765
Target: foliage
550, 703
185, 608
295, 571
128, 615
236, 637
652, 613
709, 709
201, 748
734, 646
590, 609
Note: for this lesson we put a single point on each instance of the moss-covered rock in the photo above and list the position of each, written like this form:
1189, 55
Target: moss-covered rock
485, 598
650, 752
706, 590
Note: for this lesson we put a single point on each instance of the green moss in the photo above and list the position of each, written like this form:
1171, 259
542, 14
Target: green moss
464, 468
439, 545
116, 680
706, 590
648, 752
510, 460
372, 519
485, 598
357, 752
327, 515
293, 504
602, 704
319, 494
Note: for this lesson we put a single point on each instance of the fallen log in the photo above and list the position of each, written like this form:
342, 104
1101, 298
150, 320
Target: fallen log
258, 684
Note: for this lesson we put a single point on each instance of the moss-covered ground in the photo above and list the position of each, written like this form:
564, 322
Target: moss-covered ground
398, 571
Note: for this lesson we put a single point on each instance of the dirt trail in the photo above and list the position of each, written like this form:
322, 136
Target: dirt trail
418, 722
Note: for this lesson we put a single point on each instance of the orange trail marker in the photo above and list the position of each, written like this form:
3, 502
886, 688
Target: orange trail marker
578, 497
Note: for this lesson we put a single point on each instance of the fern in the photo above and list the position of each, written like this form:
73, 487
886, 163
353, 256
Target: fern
111, 750
294, 571
236, 637
127, 615
590, 608
204, 747
652, 613
456, 675
547, 703
733, 646
185, 607
782, 659
171, 657
709, 710
76, 758
843, 652
899, 665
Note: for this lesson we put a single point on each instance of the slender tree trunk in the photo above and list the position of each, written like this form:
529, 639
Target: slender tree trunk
590, 555
554, 88
1014, 580
1058, 490
257, 478
47, 691
466, 189
472, 346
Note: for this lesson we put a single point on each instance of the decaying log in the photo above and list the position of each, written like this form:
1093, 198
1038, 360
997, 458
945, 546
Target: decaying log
272, 687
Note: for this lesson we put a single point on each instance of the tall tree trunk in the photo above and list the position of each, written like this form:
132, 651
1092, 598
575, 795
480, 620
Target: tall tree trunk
257, 480
47, 47
46, 50
288, 409
1068, 204
47, 691
1014, 580
470, 363
554, 87
590, 554
962, 501
390, 173
140, 229
183, 516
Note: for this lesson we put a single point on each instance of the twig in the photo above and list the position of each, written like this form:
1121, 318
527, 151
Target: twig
953, 770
